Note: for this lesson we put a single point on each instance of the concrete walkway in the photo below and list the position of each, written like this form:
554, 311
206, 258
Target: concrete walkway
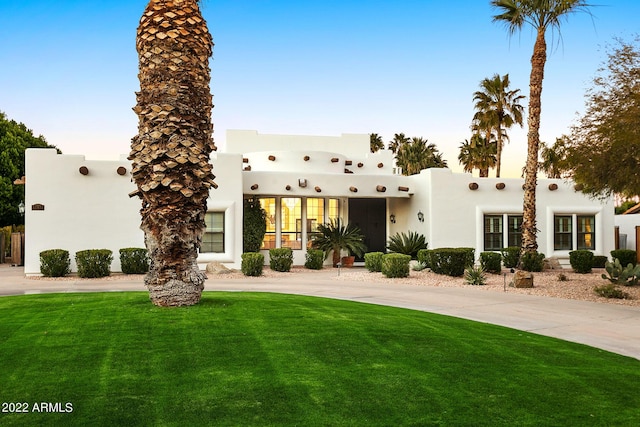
610, 327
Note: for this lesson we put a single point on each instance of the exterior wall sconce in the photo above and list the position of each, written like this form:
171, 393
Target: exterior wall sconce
21, 208
420, 216
302, 182
392, 219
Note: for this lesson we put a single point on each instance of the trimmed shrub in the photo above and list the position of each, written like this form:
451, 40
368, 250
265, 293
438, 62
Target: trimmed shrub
408, 244
314, 259
626, 256
252, 263
599, 261
532, 261
450, 261
423, 257
396, 265
490, 262
510, 256
94, 263
470, 256
134, 260
281, 259
581, 261
55, 263
373, 261
475, 275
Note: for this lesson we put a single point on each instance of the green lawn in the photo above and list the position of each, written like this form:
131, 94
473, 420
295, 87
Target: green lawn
264, 359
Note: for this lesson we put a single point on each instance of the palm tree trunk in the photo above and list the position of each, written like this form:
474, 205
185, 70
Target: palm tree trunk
498, 151
538, 59
170, 154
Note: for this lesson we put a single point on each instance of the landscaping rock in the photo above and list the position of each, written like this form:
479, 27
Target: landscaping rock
552, 264
217, 268
523, 279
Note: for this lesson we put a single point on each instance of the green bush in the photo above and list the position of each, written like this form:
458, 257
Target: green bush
532, 261
510, 256
611, 291
396, 265
423, 257
373, 261
408, 244
450, 261
599, 261
490, 262
94, 263
314, 259
134, 260
626, 256
252, 263
280, 259
55, 263
581, 261
254, 225
475, 275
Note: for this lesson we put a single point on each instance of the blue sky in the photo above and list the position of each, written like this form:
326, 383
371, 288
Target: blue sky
69, 69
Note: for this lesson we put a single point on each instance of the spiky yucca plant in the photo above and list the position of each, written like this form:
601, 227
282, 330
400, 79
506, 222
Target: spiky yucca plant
170, 153
408, 244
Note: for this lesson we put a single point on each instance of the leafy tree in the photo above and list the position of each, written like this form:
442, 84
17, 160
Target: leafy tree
418, 154
477, 154
498, 108
375, 142
554, 159
625, 206
604, 151
540, 15
15, 138
170, 153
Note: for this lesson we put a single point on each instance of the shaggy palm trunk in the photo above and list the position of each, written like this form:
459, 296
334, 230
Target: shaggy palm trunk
170, 154
529, 230
498, 151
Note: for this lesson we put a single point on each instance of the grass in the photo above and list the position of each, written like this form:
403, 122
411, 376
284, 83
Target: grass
263, 359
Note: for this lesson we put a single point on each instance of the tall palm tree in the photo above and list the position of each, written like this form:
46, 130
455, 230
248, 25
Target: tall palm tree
375, 142
418, 154
477, 154
541, 15
398, 140
553, 158
170, 153
500, 107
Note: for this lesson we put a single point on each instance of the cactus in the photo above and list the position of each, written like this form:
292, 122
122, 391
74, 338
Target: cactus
628, 276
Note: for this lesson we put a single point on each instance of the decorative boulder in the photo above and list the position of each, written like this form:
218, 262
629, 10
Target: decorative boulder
217, 268
523, 279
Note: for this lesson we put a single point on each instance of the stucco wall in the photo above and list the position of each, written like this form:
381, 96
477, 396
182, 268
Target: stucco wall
628, 224
94, 211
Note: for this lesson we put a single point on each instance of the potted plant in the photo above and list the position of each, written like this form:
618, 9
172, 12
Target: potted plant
337, 237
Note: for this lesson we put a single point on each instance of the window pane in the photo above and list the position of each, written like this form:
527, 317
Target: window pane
586, 232
334, 209
562, 233
213, 237
315, 217
514, 223
269, 205
492, 232
291, 217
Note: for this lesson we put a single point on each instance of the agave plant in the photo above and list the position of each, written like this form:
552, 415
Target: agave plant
337, 237
408, 244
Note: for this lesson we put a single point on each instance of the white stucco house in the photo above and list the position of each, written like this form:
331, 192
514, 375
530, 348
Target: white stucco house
301, 181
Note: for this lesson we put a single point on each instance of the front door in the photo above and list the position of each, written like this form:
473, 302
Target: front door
370, 216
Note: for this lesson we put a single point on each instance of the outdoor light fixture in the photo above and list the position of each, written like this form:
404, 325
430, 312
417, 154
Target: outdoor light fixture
392, 218
302, 182
420, 216
21, 208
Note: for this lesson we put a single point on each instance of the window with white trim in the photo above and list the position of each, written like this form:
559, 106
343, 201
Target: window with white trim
213, 237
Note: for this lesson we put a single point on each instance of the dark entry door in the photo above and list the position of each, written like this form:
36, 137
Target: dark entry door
370, 216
